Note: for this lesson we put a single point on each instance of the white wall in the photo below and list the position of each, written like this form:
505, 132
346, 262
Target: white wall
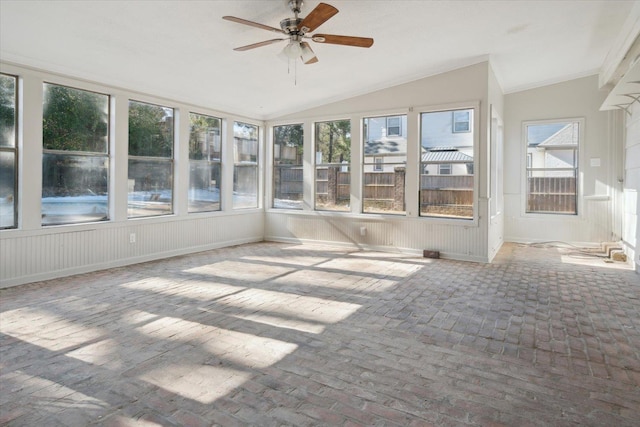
33, 252
578, 98
460, 239
631, 223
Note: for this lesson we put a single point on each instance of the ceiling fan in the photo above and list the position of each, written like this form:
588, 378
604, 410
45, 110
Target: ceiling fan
297, 31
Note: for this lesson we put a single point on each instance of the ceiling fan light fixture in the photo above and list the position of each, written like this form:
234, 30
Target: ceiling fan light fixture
292, 50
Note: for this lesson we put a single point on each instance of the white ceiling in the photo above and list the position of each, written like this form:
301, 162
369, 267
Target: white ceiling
182, 50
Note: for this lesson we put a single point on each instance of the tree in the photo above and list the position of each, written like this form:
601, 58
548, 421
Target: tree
74, 120
7, 110
150, 130
290, 136
201, 147
333, 139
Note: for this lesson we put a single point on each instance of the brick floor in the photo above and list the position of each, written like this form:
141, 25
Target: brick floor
279, 334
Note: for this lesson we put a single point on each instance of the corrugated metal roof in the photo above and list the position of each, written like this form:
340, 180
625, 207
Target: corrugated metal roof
446, 156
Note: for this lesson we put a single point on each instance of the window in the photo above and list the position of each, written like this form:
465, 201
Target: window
150, 160
332, 163
204, 163
444, 169
552, 166
394, 126
383, 192
8, 151
245, 167
287, 166
447, 179
461, 121
378, 164
75, 159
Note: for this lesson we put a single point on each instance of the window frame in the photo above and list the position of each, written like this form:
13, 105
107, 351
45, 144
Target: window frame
475, 126
370, 161
454, 122
208, 162
388, 126
237, 164
274, 189
378, 164
156, 159
317, 165
579, 167
444, 167
106, 155
14, 149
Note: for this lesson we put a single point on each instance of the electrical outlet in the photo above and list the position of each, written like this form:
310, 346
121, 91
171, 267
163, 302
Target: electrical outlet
132, 237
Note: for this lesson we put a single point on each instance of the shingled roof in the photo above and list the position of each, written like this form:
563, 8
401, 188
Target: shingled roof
567, 136
385, 146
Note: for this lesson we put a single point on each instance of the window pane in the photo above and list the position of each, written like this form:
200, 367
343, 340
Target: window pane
204, 186
204, 137
74, 120
7, 190
245, 169
332, 160
287, 170
7, 111
384, 161
461, 121
74, 188
447, 178
552, 167
150, 187
150, 130
245, 186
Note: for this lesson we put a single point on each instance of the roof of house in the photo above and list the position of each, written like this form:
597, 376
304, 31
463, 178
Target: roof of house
445, 155
567, 136
387, 145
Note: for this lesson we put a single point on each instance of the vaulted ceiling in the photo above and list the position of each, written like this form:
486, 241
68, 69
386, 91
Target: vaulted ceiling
183, 50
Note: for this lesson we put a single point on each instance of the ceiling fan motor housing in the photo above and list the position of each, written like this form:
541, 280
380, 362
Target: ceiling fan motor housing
290, 25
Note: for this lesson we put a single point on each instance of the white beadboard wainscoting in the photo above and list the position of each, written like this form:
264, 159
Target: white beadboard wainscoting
452, 238
592, 225
28, 256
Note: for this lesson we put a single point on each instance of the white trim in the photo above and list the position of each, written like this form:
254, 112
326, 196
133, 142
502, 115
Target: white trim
476, 119
624, 41
580, 167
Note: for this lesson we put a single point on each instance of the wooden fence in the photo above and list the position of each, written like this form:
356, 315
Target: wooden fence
552, 194
438, 193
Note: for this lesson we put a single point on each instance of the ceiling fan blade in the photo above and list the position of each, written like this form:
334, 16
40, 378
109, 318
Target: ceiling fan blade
307, 55
260, 44
252, 24
317, 17
343, 40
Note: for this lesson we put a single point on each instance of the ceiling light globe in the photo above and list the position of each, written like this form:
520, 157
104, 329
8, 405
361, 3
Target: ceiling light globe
292, 50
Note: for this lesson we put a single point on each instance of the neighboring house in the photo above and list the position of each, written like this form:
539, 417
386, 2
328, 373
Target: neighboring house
386, 145
446, 161
552, 148
447, 142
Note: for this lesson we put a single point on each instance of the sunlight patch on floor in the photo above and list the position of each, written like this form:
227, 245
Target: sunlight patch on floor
102, 353
295, 306
236, 270
283, 322
45, 330
203, 383
200, 290
239, 347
